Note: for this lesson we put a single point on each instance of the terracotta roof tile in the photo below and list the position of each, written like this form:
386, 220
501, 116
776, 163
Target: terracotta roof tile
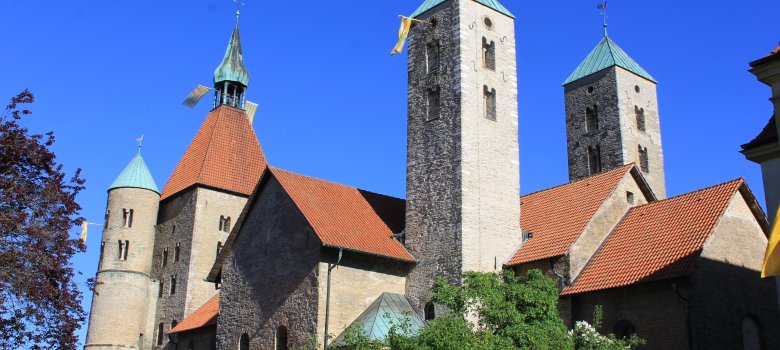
206, 315
346, 217
558, 215
656, 241
224, 154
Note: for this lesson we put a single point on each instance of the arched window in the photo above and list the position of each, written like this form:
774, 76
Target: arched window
121, 250
127, 248
432, 57
281, 338
141, 341
624, 329
640, 118
488, 54
592, 118
489, 101
644, 162
594, 159
430, 311
243, 342
752, 334
127, 217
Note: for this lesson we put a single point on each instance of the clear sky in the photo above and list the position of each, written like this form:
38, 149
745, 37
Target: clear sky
332, 99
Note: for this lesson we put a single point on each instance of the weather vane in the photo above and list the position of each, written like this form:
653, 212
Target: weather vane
139, 140
603, 9
238, 7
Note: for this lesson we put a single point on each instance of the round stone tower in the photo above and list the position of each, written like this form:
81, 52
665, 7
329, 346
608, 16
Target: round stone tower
125, 295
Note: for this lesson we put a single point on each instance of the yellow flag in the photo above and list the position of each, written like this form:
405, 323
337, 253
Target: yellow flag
84, 226
772, 257
403, 31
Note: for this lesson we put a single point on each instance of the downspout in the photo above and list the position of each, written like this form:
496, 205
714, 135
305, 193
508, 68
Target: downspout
686, 308
327, 298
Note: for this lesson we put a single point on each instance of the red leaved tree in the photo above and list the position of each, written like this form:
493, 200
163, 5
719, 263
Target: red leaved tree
40, 303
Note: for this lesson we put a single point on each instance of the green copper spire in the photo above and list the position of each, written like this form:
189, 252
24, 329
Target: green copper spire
232, 67
605, 55
494, 4
135, 175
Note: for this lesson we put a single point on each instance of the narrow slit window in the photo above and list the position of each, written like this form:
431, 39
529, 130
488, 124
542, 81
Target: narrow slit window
165, 257
433, 104
640, 118
594, 159
121, 249
489, 102
108, 216
102, 249
592, 118
644, 162
488, 54
173, 284
281, 338
432, 57
127, 248
160, 289
160, 333
219, 248
127, 217
177, 252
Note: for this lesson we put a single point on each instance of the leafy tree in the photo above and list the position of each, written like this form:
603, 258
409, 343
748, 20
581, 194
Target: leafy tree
587, 337
40, 304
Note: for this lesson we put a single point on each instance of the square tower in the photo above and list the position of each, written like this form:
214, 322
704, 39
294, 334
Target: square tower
612, 117
463, 176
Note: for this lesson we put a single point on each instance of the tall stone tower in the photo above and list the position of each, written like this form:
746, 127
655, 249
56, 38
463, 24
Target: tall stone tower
124, 300
612, 116
204, 197
463, 176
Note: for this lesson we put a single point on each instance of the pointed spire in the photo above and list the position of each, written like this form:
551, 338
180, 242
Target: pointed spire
135, 175
232, 67
607, 54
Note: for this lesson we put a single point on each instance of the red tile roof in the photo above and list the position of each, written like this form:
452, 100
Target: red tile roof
346, 217
206, 315
558, 215
224, 154
656, 241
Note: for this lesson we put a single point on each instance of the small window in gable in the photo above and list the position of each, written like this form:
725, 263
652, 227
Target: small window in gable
177, 252
224, 223
432, 57
644, 162
630, 197
430, 311
640, 118
433, 104
488, 54
594, 159
489, 102
127, 217
592, 118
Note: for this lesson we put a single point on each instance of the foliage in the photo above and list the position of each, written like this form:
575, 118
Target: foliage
587, 337
40, 304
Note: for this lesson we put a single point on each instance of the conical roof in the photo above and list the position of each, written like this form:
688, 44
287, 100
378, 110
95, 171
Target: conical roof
224, 154
494, 4
135, 175
607, 54
232, 67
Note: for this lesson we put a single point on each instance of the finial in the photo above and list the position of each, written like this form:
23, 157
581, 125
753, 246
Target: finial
238, 8
139, 140
603, 9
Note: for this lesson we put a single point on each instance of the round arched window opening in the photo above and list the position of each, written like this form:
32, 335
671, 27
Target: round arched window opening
590, 89
430, 311
488, 23
624, 329
243, 342
637, 89
281, 338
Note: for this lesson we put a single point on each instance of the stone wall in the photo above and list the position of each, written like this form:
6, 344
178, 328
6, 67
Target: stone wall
204, 338
356, 283
462, 167
271, 278
120, 304
654, 309
727, 284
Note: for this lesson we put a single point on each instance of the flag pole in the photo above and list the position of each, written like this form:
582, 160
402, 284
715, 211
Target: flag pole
416, 20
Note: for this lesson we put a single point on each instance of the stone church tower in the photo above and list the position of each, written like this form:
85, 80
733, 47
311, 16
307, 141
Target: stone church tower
125, 299
463, 176
612, 117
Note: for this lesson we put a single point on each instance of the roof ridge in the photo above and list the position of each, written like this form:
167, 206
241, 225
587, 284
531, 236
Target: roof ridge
739, 179
627, 166
272, 168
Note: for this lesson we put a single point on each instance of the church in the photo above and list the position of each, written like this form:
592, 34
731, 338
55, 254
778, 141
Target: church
234, 253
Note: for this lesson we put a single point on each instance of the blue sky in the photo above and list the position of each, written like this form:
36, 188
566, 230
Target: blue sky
332, 100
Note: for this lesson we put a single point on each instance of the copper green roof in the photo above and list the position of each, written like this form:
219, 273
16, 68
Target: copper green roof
429, 4
383, 313
135, 175
607, 54
232, 67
